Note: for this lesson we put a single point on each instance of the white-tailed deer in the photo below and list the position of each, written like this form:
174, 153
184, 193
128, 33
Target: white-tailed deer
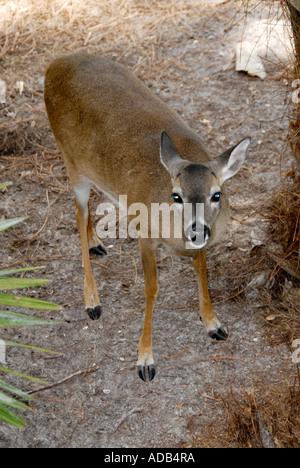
115, 133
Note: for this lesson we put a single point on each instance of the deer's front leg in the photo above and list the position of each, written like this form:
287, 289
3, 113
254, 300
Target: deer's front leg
145, 360
212, 323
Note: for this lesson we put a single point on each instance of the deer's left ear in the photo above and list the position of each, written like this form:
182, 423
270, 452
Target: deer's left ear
230, 162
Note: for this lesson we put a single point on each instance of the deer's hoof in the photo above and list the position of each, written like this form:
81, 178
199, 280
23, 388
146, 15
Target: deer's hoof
146, 371
98, 250
218, 334
94, 312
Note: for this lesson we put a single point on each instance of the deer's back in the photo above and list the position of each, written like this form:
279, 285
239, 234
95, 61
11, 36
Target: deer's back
108, 123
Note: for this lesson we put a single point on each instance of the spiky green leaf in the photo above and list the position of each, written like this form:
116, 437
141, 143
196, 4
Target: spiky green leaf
12, 402
17, 270
10, 418
25, 376
34, 348
8, 223
15, 390
7, 284
3, 186
11, 319
27, 302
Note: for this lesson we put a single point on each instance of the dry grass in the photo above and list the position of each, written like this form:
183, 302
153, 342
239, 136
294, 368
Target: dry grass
267, 421
283, 214
259, 418
60, 26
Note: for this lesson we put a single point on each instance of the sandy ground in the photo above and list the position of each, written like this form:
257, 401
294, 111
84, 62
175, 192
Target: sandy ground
104, 403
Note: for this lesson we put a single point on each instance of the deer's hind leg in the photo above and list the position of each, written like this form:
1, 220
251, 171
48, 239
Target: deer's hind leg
92, 302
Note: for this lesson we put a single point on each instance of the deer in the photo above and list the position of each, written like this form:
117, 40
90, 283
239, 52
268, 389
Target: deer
115, 134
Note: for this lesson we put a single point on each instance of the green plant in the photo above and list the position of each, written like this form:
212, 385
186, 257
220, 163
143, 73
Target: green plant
13, 319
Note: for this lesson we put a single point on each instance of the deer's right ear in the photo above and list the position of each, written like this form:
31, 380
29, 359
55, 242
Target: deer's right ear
169, 155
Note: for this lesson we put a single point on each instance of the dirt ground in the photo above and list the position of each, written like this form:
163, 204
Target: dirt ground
95, 397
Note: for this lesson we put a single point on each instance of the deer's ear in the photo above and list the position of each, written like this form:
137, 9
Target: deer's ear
230, 162
169, 155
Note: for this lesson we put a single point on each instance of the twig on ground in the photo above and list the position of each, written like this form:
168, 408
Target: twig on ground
55, 384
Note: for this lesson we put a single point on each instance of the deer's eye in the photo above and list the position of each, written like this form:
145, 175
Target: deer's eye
216, 197
177, 198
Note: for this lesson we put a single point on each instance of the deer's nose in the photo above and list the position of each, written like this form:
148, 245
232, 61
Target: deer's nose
205, 229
